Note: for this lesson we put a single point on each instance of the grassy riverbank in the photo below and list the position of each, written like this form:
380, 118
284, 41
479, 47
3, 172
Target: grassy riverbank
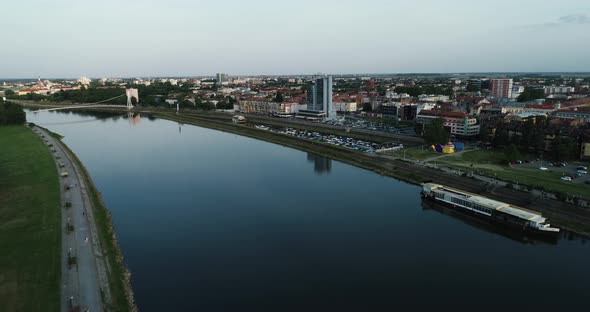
561, 214
119, 276
30, 223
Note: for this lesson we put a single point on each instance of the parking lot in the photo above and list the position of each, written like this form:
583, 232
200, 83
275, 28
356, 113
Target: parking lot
369, 125
347, 142
573, 171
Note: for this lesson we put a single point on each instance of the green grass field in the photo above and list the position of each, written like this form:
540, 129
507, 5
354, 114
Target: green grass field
492, 163
30, 222
416, 152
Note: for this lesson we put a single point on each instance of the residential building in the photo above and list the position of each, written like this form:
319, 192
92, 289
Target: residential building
267, 107
574, 113
408, 112
501, 88
458, 123
542, 108
84, 81
559, 90
517, 90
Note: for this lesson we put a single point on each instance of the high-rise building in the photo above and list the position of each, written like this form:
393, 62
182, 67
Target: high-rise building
501, 88
319, 97
221, 77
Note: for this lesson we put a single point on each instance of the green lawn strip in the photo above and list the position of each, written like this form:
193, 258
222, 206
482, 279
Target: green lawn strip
417, 152
30, 223
488, 163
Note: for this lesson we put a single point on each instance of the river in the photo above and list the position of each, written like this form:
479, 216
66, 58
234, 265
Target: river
214, 221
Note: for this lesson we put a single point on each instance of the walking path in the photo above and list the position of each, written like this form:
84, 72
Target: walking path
84, 279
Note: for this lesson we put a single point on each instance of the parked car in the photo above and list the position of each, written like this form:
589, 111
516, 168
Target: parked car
543, 168
566, 178
584, 168
582, 172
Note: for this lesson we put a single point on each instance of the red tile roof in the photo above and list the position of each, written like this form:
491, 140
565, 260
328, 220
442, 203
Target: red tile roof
536, 106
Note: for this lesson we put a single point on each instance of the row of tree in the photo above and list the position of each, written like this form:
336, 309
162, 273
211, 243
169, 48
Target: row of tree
152, 95
531, 137
434, 132
417, 90
530, 94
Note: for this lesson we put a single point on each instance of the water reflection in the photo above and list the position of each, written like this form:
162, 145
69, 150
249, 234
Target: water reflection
134, 118
491, 227
321, 164
240, 234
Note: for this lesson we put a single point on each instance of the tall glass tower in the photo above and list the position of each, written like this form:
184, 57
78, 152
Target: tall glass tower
319, 96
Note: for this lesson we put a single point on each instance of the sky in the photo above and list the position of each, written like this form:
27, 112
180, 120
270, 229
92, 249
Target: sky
139, 38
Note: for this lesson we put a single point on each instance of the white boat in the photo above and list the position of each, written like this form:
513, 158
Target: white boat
488, 208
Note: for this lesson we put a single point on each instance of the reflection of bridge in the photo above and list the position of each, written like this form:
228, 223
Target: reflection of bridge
130, 93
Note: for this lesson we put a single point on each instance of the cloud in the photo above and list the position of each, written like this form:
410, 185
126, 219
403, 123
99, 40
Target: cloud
571, 19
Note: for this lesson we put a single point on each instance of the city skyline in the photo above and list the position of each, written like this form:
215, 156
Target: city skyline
182, 38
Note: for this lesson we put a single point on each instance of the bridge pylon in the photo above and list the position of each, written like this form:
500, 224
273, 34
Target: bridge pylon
131, 93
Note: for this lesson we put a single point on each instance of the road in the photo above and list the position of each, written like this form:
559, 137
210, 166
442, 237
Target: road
81, 281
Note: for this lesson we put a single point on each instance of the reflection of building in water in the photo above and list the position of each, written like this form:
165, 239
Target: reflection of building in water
490, 226
134, 118
321, 164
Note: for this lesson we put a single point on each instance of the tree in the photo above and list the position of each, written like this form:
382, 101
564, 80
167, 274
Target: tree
205, 105
185, 103
279, 98
530, 94
511, 153
564, 148
484, 133
435, 132
11, 114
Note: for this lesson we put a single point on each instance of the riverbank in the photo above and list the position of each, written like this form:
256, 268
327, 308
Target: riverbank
117, 293
560, 213
30, 223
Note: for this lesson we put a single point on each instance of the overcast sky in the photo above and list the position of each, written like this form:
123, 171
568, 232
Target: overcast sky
114, 38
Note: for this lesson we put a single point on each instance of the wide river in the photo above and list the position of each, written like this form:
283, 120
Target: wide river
212, 221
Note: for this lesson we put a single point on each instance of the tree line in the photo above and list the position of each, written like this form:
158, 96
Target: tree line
11, 113
531, 136
153, 95
417, 90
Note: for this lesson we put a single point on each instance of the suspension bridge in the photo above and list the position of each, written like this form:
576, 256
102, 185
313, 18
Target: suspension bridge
129, 93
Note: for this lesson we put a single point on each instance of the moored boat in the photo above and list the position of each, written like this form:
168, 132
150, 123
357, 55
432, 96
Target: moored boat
488, 208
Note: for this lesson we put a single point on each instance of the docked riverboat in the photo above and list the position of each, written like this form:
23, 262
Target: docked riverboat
508, 214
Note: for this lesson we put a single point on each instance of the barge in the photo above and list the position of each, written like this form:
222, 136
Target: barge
504, 213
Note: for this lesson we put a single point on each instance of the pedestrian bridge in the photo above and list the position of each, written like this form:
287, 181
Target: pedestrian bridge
129, 93
78, 106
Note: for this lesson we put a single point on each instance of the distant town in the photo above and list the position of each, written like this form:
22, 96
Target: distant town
492, 110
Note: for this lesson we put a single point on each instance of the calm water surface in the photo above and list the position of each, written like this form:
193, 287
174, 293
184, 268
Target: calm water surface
213, 221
